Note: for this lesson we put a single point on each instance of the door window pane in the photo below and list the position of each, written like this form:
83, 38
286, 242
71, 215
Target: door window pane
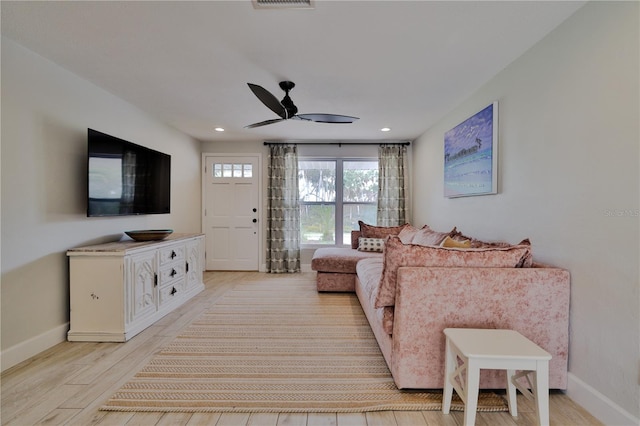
236, 170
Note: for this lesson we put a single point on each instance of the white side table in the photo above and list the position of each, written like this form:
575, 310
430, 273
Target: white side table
496, 350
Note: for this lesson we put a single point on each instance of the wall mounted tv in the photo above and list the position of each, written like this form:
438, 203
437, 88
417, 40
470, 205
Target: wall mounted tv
125, 179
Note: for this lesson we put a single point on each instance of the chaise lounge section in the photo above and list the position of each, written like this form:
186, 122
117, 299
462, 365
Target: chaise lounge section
336, 267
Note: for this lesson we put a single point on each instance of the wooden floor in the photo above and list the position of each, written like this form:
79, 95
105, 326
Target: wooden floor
67, 384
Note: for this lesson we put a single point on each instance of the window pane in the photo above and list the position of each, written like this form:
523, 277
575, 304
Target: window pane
317, 224
352, 213
237, 170
360, 181
317, 180
217, 170
226, 170
248, 170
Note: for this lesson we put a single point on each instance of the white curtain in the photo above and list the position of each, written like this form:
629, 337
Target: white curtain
283, 210
391, 185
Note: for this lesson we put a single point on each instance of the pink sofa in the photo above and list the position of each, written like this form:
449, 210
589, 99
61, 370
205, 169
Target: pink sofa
410, 294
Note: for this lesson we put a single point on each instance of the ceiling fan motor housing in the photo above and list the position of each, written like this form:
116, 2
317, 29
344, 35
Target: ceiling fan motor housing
286, 102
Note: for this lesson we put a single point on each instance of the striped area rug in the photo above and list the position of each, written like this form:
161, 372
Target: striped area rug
276, 345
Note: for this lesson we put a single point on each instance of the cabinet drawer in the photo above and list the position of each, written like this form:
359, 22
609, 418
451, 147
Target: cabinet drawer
169, 293
173, 272
172, 254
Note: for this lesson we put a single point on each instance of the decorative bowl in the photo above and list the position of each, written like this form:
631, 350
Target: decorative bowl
149, 234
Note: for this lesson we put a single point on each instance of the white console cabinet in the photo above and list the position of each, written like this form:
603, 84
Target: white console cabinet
118, 289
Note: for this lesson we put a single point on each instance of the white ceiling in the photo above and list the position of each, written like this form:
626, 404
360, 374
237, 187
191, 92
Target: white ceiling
401, 64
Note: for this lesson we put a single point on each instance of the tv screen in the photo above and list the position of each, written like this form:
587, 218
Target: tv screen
126, 179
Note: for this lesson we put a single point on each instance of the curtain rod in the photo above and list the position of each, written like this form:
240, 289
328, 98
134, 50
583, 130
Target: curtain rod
337, 143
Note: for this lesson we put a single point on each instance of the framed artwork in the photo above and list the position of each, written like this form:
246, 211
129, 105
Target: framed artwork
471, 155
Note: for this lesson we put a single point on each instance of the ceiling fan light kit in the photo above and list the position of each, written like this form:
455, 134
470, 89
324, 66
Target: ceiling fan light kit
287, 110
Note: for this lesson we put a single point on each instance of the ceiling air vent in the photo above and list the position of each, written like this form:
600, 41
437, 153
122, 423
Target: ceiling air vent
283, 4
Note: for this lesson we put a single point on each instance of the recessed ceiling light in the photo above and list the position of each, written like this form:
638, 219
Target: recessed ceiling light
385, 129
219, 129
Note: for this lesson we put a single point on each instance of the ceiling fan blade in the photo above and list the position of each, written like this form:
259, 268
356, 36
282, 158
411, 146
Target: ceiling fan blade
264, 123
327, 118
268, 99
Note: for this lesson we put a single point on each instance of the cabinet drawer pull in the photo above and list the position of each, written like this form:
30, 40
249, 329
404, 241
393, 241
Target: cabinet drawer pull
173, 291
173, 273
173, 254
155, 280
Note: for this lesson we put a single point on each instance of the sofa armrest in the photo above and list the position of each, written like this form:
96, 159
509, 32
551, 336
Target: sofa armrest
532, 301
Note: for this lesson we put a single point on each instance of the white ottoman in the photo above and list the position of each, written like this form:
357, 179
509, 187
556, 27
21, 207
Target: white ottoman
497, 350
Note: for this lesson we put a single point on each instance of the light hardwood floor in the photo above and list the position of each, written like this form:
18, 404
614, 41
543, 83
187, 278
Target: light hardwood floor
67, 384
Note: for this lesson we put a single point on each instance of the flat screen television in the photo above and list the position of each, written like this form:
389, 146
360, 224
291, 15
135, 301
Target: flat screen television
125, 179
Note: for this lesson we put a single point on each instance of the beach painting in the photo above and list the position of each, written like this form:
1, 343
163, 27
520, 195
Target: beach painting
471, 155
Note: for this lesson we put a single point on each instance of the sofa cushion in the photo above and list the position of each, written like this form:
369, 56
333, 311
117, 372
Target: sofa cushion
339, 259
369, 272
372, 231
397, 254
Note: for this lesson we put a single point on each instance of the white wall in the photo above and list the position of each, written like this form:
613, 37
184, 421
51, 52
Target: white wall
46, 111
569, 180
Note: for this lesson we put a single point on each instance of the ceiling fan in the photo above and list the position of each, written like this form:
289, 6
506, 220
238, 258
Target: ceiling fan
286, 110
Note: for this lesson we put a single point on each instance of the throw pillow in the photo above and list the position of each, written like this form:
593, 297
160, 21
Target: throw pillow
428, 237
371, 244
451, 243
407, 234
397, 254
372, 231
475, 243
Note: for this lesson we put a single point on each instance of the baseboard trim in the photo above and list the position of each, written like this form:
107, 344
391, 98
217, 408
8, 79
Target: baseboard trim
25, 350
601, 407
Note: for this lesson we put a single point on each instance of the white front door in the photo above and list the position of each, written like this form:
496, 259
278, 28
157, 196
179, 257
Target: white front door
232, 211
